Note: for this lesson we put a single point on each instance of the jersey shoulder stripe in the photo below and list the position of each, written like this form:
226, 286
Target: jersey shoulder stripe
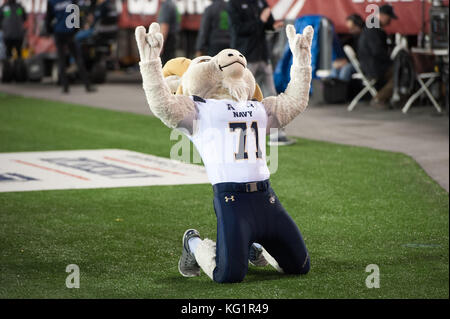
198, 99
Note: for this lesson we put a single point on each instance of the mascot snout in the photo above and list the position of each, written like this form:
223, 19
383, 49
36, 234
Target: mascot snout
231, 62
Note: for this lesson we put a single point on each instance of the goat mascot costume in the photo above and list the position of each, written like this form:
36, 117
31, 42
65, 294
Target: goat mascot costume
217, 104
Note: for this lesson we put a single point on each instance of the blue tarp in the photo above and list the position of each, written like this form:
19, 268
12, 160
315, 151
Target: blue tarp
282, 71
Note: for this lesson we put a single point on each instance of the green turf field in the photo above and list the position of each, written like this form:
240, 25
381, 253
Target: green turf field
355, 206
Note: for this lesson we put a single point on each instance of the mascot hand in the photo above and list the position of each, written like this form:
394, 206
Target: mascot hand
300, 45
149, 44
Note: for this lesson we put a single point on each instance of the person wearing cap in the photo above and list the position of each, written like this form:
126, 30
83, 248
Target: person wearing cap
373, 55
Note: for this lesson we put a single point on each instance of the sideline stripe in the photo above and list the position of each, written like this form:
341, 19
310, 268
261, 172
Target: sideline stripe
51, 169
142, 166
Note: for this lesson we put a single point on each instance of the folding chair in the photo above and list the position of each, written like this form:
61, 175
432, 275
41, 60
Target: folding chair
420, 77
368, 84
430, 77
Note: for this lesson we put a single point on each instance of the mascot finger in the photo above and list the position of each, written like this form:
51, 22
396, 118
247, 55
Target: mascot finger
298, 41
290, 32
140, 40
308, 33
159, 39
152, 42
291, 35
154, 28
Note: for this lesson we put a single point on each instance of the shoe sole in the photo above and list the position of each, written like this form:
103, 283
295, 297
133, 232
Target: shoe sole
179, 261
260, 263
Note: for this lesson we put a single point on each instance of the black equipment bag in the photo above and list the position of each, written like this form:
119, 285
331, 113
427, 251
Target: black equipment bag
335, 91
20, 70
7, 71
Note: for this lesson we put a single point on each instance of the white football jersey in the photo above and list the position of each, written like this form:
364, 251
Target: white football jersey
231, 139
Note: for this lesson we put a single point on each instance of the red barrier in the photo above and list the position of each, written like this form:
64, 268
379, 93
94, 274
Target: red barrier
143, 12
408, 11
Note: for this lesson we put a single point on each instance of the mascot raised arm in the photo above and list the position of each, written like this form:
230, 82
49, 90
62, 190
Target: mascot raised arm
218, 105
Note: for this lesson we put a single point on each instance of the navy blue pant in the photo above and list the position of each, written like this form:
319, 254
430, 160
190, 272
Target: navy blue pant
245, 217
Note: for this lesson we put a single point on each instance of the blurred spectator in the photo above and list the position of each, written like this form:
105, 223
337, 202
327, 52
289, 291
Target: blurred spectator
342, 68
169, 20
56, 23
12, 18
214, 34
87, 29
249, 21
373, 54
2, 47
102, 21
105, 16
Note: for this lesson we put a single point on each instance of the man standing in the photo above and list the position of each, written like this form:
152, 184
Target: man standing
169, 20
373, 54
214, 33
249, 21
12, 18
56, 21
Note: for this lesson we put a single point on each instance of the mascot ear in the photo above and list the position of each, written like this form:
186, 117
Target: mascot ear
176, 66
258, 94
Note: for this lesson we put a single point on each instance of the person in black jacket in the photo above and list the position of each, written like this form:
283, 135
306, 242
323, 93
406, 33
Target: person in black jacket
250, 19
373, 55
102, 23
214, 33
56, 23
12, 18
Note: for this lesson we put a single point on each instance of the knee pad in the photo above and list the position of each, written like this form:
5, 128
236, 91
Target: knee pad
205, 255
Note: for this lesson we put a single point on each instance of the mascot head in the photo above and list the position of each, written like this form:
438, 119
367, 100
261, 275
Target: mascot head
224, 76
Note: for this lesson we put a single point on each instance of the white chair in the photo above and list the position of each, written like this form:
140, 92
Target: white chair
368, 84
402, 44
430, 77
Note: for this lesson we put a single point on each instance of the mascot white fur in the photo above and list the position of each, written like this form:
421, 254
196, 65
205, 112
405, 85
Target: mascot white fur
220, 93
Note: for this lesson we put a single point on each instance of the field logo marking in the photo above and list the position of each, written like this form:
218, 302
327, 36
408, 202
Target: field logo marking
373, 280
87, 169
52, 170
73, 279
